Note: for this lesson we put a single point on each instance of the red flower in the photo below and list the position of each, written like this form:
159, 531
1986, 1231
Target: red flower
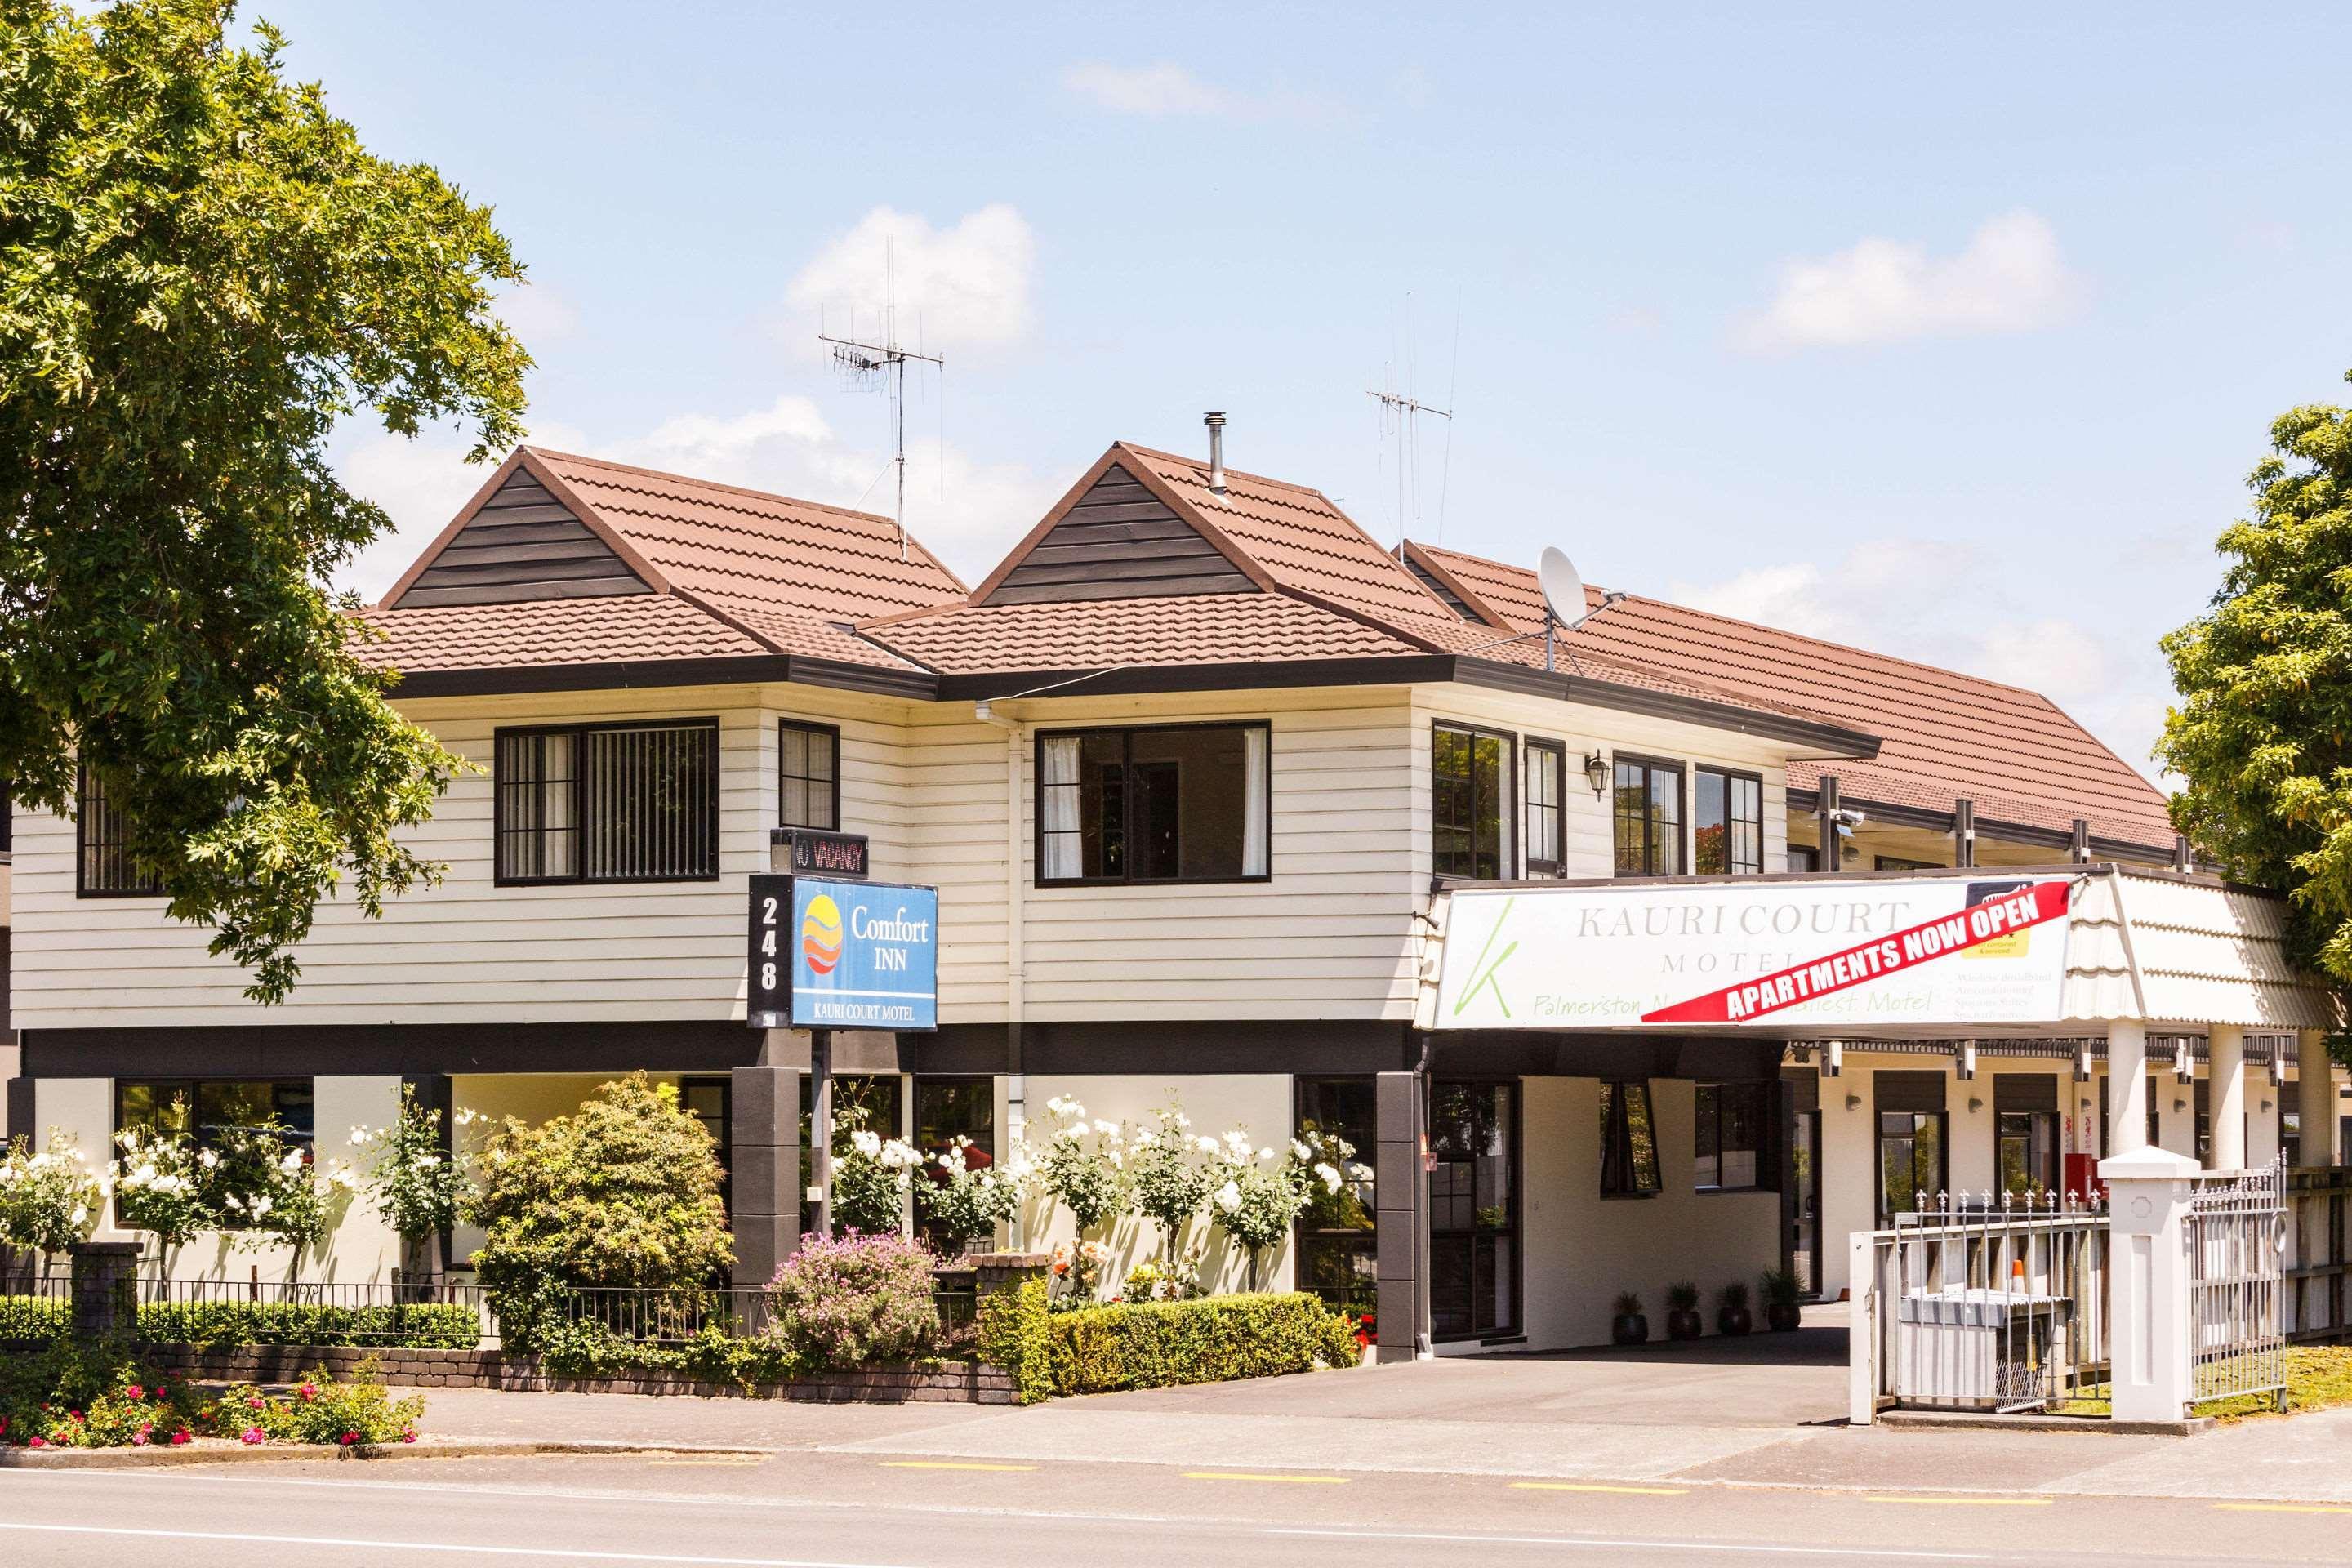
180, 1437
255, 1402
308, 1393
135, 1392
39, 1441
350, 1438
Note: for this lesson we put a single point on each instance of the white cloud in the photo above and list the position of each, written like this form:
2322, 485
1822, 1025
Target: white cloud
960, 287
2010, 279
1165, 91
1956, 607
1154, 91
421, 483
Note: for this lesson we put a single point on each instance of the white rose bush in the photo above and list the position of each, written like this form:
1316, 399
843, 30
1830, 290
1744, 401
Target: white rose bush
419, 1187
968, 1204
49, 1199
871, 1178
1175, 1173
1084, 1166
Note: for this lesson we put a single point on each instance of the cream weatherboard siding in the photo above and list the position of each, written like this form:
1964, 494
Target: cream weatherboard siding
1330, 935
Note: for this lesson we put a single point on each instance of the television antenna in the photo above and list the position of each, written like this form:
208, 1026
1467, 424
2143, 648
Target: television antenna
1400, 414
887, 362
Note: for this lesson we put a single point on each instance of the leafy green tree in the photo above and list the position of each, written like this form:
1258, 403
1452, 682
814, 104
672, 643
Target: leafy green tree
625, 1191
201, 272
2262, 735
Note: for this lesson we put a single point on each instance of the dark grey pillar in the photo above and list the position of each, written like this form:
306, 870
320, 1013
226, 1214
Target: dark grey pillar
1964, 833
2078, 843
764, 1129
20, 1114
1825, 815
105, 1289
1398, 1214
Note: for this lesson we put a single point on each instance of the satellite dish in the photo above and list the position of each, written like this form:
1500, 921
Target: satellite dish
1563, 589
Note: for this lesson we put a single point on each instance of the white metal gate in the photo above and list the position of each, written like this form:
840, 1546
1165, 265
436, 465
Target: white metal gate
2237, 1245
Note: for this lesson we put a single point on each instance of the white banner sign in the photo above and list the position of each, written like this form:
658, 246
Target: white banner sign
1981, 949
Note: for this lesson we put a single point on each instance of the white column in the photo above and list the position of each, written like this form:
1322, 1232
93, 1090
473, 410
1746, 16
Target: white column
2126, 1087
2316, 1096
2148, 1273
2226, 1053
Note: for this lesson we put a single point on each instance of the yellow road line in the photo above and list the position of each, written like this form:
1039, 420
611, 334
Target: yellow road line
946, 1465
2284, 1507
1588, 1487
1242, 1476
1965, 1502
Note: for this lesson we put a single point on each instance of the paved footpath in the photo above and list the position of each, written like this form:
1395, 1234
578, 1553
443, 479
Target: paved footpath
1482, 1418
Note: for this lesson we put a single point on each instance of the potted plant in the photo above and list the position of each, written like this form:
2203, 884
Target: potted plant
1683, 1321
1731, 1314
1781, 1311
1629, 1327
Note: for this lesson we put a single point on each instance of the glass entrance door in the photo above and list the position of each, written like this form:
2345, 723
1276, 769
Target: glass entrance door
1805, 1200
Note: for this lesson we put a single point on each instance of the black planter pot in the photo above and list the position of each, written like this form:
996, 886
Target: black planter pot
1684, 1323
1782, 1318
1629, 1328
1734, 1320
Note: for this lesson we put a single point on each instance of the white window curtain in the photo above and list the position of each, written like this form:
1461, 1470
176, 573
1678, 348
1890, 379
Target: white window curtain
1254, 808
1058, 799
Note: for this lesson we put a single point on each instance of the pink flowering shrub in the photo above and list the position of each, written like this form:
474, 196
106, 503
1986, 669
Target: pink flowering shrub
853, 1299
361, 1410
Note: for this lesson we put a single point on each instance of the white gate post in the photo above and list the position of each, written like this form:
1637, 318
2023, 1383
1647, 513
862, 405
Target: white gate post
2226, 1069
2148, 1194
1865, 1330
2127, 1086
2315, 1097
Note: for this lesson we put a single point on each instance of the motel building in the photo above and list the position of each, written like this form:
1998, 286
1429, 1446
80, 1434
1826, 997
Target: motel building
1227, 804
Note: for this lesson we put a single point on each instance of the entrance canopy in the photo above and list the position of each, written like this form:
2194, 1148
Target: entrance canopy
1927, 955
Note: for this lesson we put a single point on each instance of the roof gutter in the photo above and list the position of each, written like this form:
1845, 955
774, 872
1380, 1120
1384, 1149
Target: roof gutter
1831, 739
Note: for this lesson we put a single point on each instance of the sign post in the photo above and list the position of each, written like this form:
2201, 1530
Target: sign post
827, 953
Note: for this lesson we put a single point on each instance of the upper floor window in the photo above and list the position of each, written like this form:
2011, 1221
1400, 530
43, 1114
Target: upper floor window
101, 841
1178, 803
1728, 834
1547, 774
1649, 818
809, 770
608, 803
1470, 802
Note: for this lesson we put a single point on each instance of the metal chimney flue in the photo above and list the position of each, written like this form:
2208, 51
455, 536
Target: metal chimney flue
1216, 424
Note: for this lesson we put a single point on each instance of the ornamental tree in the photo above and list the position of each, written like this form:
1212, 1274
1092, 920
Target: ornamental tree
417, 1186
2262, 735
49, 1199
1174, 1174
625, 1191
203, 272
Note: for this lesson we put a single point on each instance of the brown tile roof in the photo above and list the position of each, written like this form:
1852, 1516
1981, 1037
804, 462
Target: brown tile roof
2012, 751
1092, 634
735, 571
1303, 541
728, 545
645, 626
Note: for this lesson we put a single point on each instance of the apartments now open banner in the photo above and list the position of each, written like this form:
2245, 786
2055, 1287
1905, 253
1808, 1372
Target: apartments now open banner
1923, 950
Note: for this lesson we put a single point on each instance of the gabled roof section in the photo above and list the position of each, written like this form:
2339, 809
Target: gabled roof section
1114, 537
721, 571
1944, 734
1173, 630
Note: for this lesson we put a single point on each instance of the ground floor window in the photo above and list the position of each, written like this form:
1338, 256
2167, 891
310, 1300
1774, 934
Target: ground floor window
1629, 1141
1913, 1146
1337, 1257
708, 1100
947, 1108
209, 1113
2025, 1131
1473, 1211
861, 1104
1729, 1135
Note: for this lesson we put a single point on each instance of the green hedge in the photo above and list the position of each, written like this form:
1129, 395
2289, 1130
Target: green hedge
434, 1324
32, 1317
1155, 1344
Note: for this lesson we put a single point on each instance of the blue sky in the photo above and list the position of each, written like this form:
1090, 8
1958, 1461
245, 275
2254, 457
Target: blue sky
1952, 335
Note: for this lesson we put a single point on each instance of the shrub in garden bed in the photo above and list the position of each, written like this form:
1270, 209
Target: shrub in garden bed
33, 1317
849, 1300
1155, 1344
79, 1394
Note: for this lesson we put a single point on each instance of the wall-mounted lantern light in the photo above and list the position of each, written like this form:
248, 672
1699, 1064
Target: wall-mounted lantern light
1596, 771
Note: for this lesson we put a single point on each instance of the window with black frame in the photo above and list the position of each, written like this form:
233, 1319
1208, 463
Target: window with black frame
101, 841
211, 1114
708, 1100
862, 1102
946, 1110
1337, 1257
1629, 1139
1728, 822
1914, 1145
1648, 812
609, 802
1728, 1140
1474, 1256
1470, 806
808, 775
1546, 779
1181, 804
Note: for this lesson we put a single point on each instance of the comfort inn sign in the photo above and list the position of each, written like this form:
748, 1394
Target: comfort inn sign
1981, 949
